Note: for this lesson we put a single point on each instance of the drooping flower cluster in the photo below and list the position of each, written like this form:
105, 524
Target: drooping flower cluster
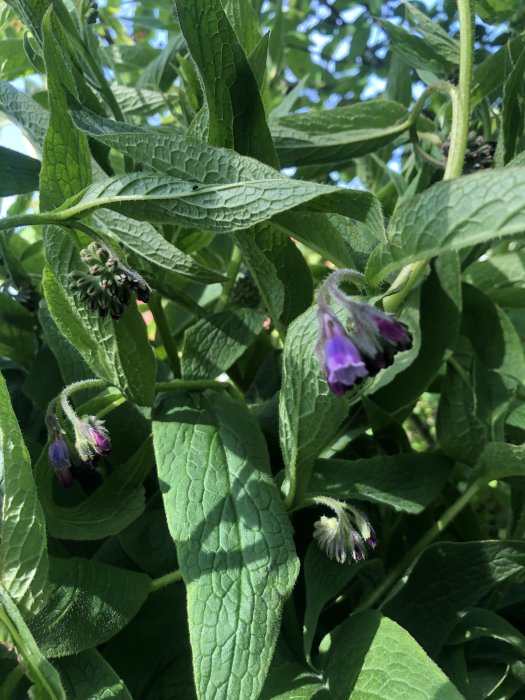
107, 286
91, 442
365, 345
346, 535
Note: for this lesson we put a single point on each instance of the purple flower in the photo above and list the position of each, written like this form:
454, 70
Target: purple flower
58, 453
92, 438
345, 536
342, 362
379, 336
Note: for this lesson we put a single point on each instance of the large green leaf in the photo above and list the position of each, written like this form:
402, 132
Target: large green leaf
19, 172
448, 580
215, 342
405, 482
14, 632
233, 537
23, 547
291, 681
499, 461
309, 413
66, 161
145, 241
373, 657
452, 215
25, 112
107, 511
501, 277
236, 117
87, 675
16, 331
279, 270
89, 602
337, 135
331, 235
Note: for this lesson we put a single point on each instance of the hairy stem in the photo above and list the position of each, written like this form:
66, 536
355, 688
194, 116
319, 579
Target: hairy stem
161, 321
166, 580
458, 142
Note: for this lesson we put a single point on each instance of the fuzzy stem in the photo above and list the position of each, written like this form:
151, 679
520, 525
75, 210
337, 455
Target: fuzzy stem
233, 271
458, 142
191, 385
429, 536
166, 580
163, 327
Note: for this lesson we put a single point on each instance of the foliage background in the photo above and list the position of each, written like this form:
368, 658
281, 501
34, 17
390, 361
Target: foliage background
184, 565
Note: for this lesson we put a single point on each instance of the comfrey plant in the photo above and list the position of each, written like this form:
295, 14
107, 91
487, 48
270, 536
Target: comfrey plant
362, 347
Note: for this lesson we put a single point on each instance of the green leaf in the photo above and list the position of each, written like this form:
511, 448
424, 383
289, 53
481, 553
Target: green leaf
47, 685
160, 666
234, 539
406, 482
219, 208
480, 622
105, 512
244, 21
460, 425
66, 161
419, 52
87, 675
452, 215
140, 101
215, 342
335, 136
19, 172
501, 277
448, 580
236, 117
89, 602
324, 580
370, 653
309, 413
23, 547
494, 11
433, 33
513, 108
488, 75
279, 270
499, 461
16, 331
291, 681
116, 351
146, 242
25, 112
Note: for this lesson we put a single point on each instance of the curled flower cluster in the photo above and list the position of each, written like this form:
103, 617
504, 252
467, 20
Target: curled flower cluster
348, 354
91, 442
107, 286
346, 535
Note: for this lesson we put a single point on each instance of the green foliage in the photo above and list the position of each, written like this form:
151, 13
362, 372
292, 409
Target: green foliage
175, 467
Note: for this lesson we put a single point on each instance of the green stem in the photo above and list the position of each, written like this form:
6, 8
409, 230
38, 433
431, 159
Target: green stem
191, 385
232, 272
429, 536
166, 580
458, 141
163, 327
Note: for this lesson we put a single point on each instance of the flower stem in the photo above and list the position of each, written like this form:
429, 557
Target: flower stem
191, 385
458, 142
166, 580
233, 271
429, 536
161, 321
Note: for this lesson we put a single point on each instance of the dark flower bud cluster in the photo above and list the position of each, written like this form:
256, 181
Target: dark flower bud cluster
365, 345
108, 284
479, 154
245, 292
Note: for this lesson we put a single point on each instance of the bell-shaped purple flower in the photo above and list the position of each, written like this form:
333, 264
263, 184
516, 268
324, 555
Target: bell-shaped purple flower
58, 455
343, 365
379, 336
